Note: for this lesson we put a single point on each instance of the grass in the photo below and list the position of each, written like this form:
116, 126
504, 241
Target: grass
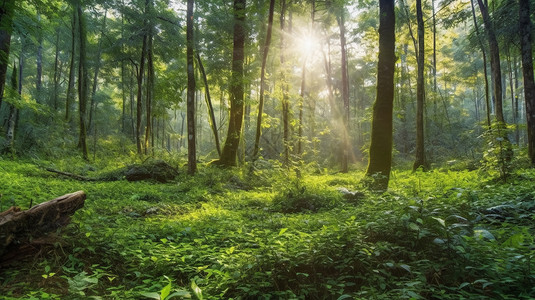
272, 235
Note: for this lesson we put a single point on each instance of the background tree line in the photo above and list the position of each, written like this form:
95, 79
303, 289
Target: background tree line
288, 80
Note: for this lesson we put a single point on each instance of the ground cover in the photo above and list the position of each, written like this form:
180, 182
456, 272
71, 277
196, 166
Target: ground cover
278, 234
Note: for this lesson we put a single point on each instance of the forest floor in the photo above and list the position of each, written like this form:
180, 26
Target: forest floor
226, 234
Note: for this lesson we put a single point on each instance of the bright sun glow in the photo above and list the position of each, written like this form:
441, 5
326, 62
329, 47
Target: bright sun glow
307, 44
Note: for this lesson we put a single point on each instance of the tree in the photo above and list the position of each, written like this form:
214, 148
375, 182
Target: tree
230, 149
480, 42
192, 160
495, 68
265, 51
420, 145
380, 160
10, 133
345, 91
83, 80
6, 27
527, 71
72, 73
213, 123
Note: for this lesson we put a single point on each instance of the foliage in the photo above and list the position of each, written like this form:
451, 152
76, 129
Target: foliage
437, 234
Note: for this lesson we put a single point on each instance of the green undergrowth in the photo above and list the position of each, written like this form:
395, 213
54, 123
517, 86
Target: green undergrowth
277, 234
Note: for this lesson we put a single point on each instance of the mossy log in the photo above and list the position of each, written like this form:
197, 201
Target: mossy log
18, 227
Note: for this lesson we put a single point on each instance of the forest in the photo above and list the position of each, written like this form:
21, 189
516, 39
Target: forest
267, 149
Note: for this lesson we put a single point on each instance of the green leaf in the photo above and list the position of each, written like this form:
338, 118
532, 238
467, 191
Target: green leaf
406, 267
345, 296
463, 285
440, 221
165, 291
414, 226
181, 293
151, 295
283, 230
196, 290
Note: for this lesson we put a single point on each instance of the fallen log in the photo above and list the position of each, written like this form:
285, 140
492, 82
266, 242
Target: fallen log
75, 176
18, 227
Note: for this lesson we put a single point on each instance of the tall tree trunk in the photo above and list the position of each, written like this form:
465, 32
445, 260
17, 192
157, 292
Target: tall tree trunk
495, 68
6, 26
150, 82
511, 87
93, 104
70, 86
192, 148
265, 51
301, 101
230, 150
39, 79
527, 71
139, 104
284, 87
83, 79
10, 133
57, 73
420, 146
345, 94
213, 123
380, 161
480, 42
517, 112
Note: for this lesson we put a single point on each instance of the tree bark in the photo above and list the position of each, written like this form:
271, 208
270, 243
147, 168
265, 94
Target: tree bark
6, 27
70, 86
83, 80
192, 148
17, 227
420, 145
480, 42
265, 51
345, 94
284, 87
213, 123
10, 133
527, 72
93, 105
230, 150
39, 78
495, 68
380, 161
57, 73
139, 105
150, 83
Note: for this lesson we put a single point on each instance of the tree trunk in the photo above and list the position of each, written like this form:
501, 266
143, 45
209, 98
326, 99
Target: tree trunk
420, 146
527, 71
39, 78
70, 86
192, 148
57, 73
265, 51
93, 105
345, 94
17, 226
6, 24
150, 84
10, 133
139, 105
495, 68
213, 123
380, 161
487, 98
83, 80
284, 87
230, 150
